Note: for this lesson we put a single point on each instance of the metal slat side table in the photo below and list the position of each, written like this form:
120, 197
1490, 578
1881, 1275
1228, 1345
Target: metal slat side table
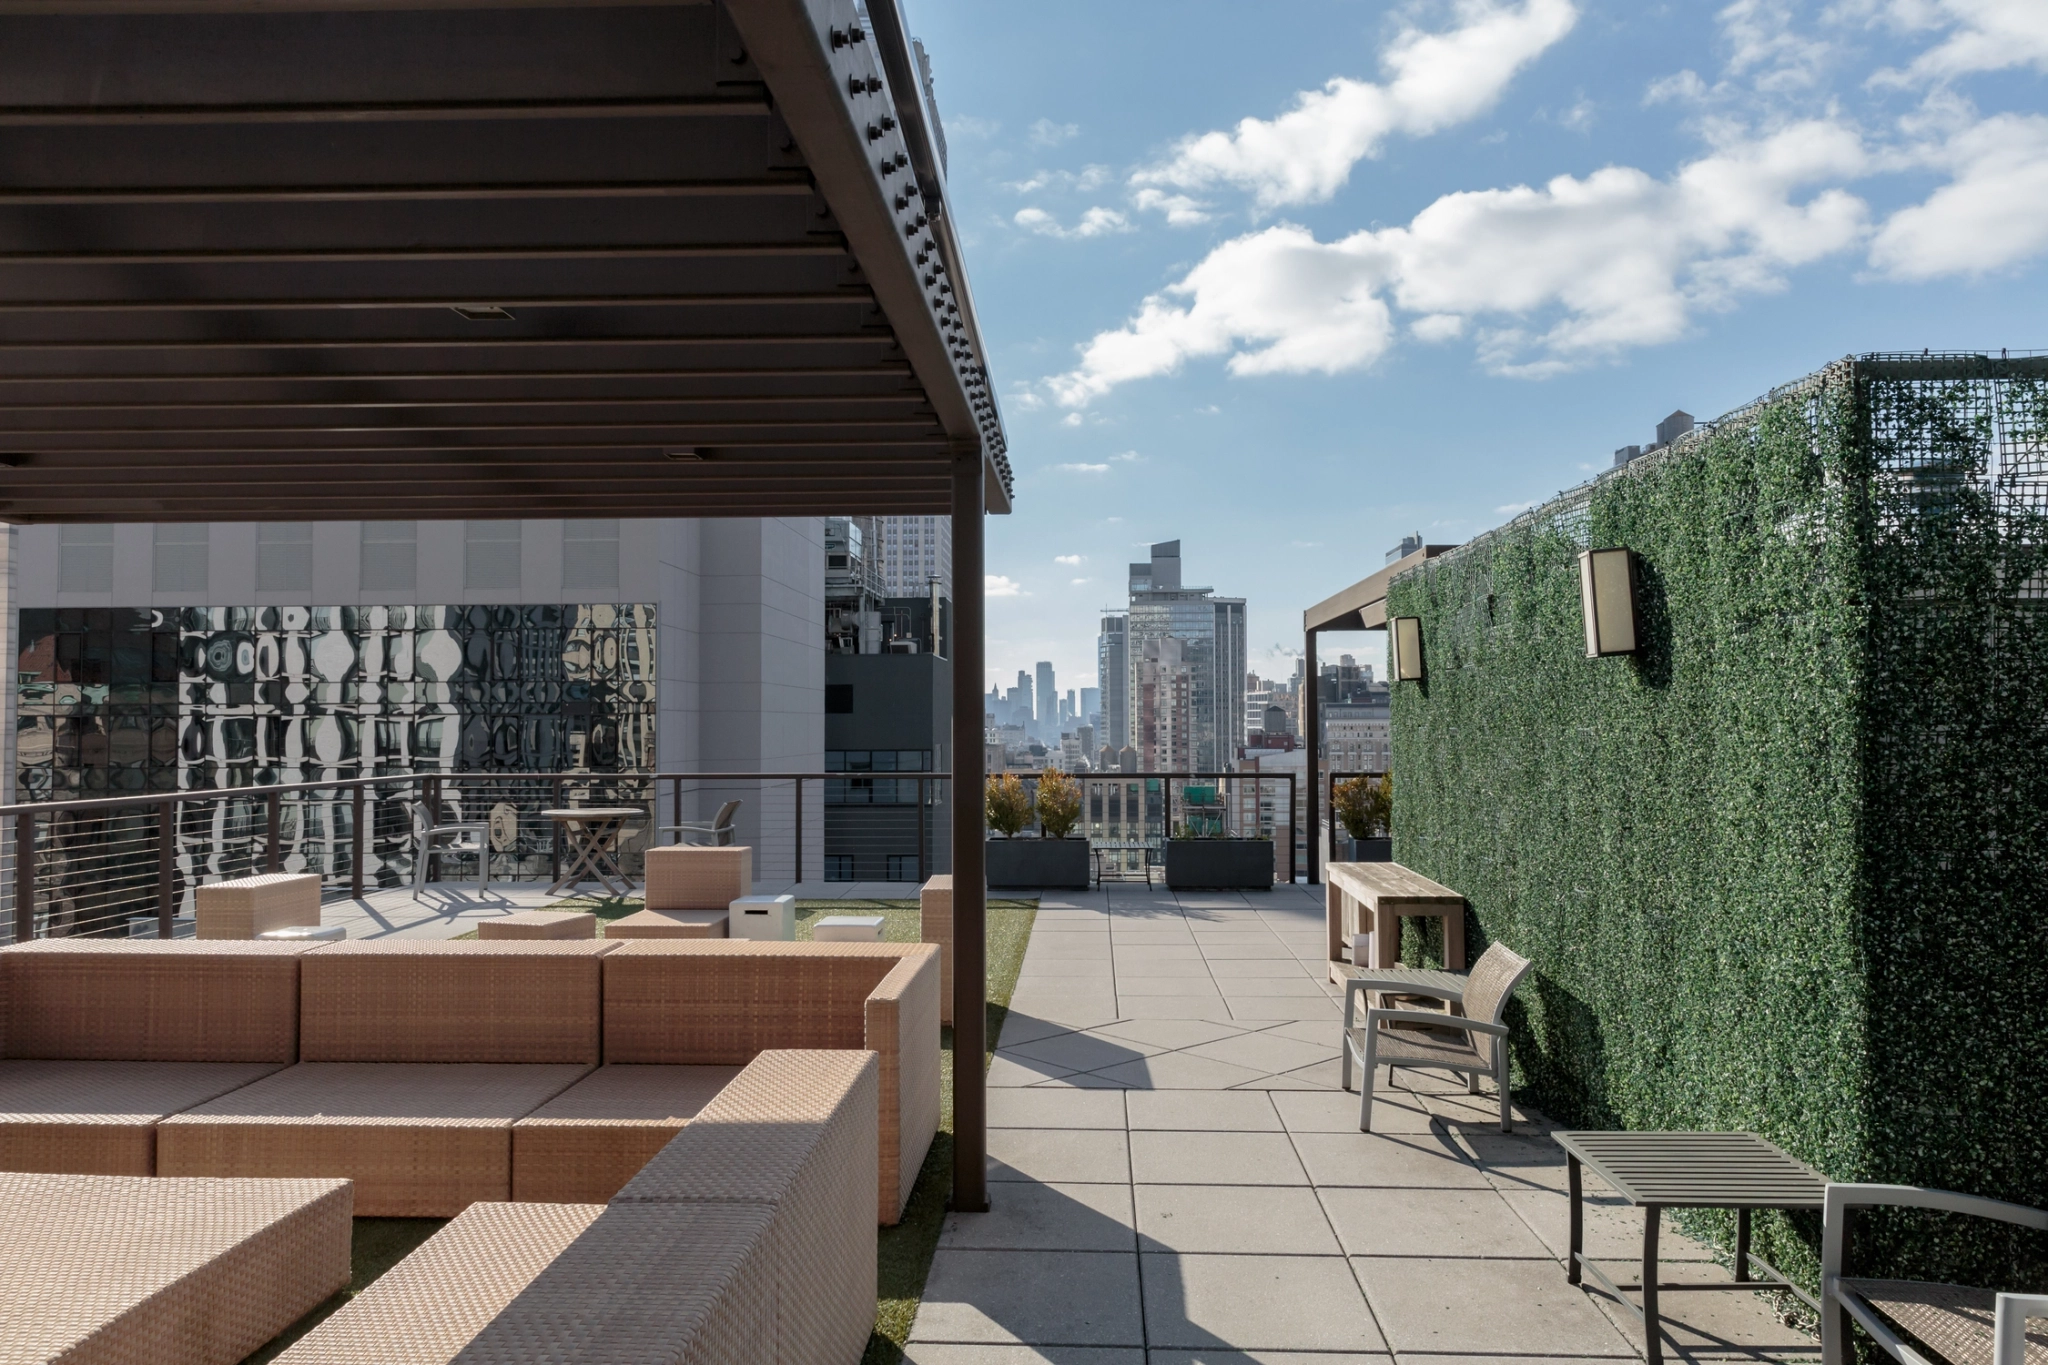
1659, 1171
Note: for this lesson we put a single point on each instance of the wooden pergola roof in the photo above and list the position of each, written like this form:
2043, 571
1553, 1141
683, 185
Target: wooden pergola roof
301, 261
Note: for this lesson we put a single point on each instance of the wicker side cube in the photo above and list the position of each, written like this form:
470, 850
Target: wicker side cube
795, 1133
414, 1001
131, 1271
669, 924
150, 1000
100, 1118
902, 1029
935, 925
248, 906
430, 1305
539, 924
683, 877
421, 1140
583, 1145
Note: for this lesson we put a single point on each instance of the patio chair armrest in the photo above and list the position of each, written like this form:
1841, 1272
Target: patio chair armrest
1374, 1018
2009, 1326
1841, 1198
1381, 983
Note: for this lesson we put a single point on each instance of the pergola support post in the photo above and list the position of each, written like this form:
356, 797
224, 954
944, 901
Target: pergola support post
1312, 736
970, 884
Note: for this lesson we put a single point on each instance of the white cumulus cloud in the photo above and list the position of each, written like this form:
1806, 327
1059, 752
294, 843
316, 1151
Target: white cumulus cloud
1082, 468
995, 585
1434, 80
1096, 222
1982, 35
1993, 213
1046, 133
1070, 560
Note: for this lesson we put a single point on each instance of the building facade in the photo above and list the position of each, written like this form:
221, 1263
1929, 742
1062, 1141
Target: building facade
1210, 632
911, 553
1112, 673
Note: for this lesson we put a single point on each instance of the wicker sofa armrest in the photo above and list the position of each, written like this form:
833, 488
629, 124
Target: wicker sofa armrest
902, 1027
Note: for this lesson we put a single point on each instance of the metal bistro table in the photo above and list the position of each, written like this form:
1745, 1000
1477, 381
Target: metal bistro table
1119, 849
589, 833
1659, 1171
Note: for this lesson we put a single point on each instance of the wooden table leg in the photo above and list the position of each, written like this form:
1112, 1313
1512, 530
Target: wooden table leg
1578, 1220
1454, 941
1653, 1331
1386, 937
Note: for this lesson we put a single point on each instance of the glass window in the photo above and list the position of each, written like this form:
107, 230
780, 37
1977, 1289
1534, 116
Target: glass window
859, 761
590, 554
913, 760
85, 559
838, 867
181, 557
490, 554
284, 556
390, 556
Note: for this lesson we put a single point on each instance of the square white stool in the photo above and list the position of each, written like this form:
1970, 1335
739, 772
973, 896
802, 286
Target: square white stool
762, 917
848, 929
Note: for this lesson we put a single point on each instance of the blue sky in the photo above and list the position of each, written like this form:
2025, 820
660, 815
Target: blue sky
1285, 282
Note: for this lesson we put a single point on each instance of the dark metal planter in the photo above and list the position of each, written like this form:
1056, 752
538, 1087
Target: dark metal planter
1219, 864
1060, 864
1366, 850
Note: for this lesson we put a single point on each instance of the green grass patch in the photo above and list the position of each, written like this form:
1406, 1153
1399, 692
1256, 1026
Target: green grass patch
377, 1245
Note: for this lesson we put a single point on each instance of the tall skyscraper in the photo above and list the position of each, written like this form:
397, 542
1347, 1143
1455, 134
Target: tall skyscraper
1211, 649
1048, 699
1024, 706
1112, 671
911, 551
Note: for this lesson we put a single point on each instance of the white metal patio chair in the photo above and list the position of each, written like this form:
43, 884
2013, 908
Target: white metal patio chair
1483, 1051
462, 835
717, 834
1963, 1326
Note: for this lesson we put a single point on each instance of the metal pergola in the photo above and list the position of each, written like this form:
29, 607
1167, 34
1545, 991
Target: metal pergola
340, 259
1362, 606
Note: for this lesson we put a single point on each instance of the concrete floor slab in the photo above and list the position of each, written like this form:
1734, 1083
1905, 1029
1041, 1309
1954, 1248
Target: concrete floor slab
1409, 1160
1300, 1303
1030, 1216
1236, 1111
1056, 1109
1079, 1155
1263, 1221
1399, 1222
1489, 1307
1177, 1158
1039, 1298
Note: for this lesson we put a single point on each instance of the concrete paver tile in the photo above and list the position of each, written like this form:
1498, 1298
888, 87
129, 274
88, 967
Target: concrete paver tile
1055, 1109
1046, 1217
1009, 1068
1126, 967
1021, 1026
959, 1353
1217, 1355
1262, 1009
1383, 1222
1254, 967
1168, 985
1176, 1071
1076, 1155
1173, 1007
1324, 1112
1712, 1326
1464, 1305
1169, 1033
1177, 1158
1232, 1111
1042, 1298
1085, 1051
1243, 946
1614, 1229
1302, 1303
1263, 1052
1312, 1030
1264, 1220
1412, 1160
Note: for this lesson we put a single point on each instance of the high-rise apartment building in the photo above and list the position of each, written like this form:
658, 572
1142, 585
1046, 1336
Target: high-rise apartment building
911, 551
1210, 632
1048, 699
1163, 688
1112, 671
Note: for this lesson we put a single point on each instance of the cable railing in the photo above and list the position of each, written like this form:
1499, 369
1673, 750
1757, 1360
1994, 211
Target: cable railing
128, 865
1128, 817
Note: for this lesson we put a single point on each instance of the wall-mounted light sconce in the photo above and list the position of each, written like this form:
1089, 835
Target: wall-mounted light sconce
1405, 645
1607, 594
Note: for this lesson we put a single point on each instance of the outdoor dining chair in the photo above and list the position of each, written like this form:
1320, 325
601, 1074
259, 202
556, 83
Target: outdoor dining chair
718, 834
1964, 1326
1482, 1051
463, 836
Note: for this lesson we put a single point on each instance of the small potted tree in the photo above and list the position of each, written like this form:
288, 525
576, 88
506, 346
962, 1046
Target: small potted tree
1054, 859
1366, 808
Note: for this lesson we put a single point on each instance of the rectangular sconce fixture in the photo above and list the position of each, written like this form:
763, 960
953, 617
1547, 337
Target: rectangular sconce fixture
1607, 594
1405, 638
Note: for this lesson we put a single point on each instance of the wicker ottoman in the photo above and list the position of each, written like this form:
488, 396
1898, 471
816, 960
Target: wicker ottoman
100, 1118
586, 1142
935, 906
540, 924
683, 877
669, 924
248, 906
111, 1268
420, 1139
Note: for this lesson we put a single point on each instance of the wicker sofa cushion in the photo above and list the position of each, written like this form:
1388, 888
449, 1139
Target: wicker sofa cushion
99, 1118
152, 1000
138, 1272
430, 1305
587, 1142
430, 1001
420, 1139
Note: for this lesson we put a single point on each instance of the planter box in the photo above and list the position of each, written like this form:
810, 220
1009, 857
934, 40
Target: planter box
1219, 864
1051, 863
1351, 850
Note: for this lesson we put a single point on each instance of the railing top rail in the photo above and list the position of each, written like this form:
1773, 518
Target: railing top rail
266, 789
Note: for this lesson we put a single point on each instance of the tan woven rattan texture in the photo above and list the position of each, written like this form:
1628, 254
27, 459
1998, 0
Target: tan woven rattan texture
1414, 1047
434, 1302
152, 1000
1954, 1321
935, 925
1492, 977
669, 924
421, 1140
680, 877
99, 1118
539, 924
412, 1001
247, 906
795, 1132
687, 1284
121, 1271
903, 1028
588, 1141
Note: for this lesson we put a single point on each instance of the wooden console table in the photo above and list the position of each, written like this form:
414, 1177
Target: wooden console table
1372, 898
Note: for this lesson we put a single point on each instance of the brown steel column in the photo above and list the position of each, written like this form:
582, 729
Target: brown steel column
970, 887
1311, 734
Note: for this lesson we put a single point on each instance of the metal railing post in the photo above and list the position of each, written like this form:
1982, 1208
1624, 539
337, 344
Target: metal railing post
920, 831
555, 849
1290, 829
355, 871
675, 805
24, 876
273, 860
799, 830
166, 866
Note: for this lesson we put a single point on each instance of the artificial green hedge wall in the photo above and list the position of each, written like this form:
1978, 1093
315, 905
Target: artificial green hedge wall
1786, 868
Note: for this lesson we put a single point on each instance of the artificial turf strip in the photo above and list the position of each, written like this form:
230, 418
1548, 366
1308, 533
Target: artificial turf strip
377, 1244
